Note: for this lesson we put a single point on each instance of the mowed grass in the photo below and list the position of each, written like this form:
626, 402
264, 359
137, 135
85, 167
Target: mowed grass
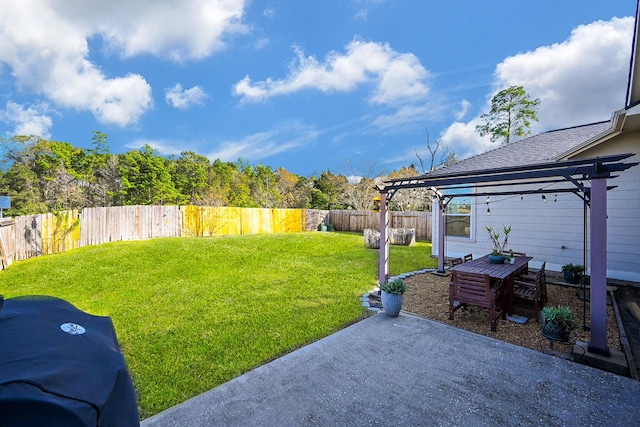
193, 313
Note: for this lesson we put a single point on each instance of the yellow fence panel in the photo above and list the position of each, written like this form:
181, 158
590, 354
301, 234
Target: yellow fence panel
288, 220
279, 220
191, 221
59, 232
227, 221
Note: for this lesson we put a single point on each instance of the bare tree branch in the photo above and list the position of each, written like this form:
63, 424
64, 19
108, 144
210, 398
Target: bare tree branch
434, 147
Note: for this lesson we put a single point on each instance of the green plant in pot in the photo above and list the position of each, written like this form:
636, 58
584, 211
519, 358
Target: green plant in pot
572, 273
497, 255
392, 296
557, 323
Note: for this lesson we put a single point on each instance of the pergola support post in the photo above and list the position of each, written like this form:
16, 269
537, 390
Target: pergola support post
598, 249
441, 237
384, 240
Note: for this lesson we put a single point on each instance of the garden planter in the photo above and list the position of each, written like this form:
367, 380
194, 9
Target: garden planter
391, 303
496, 259
571, 277
555, 331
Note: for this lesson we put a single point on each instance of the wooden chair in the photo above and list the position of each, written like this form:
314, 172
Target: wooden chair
476, 289
524, 270
532, 291
468, 257
515, 253
456, 261
526, 276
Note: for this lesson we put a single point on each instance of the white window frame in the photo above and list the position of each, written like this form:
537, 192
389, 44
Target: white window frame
471, 215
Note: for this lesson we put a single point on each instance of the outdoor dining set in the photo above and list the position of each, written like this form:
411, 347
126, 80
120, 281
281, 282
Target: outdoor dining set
503, 288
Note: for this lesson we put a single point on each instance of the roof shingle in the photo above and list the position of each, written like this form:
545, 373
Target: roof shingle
544, 147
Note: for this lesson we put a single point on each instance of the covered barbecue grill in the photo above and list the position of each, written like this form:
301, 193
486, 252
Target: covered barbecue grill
60, 366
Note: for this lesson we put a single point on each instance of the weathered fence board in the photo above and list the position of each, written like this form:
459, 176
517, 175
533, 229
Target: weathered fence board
7, 241
103, 225
356, 220
28, 242
33, 235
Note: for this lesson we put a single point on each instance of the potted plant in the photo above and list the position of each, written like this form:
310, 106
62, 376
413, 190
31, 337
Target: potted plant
557, 323
497, 253
572, 272
392, 296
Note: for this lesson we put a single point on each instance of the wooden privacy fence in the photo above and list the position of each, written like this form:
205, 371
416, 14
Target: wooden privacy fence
103, 225
33, 235
352, 220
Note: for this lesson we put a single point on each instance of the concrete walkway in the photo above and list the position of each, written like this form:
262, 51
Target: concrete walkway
410, 371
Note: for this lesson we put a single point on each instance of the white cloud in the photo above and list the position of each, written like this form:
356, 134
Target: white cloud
408, 115
180, 30
397, 77
464, 109
362, 8
45, 44
260, 145
184, 98
265, 144
165, 148
261, 43
31, 120
257, 146
463, 139
580, 80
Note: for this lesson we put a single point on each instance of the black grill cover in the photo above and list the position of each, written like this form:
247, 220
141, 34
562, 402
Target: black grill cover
60, 366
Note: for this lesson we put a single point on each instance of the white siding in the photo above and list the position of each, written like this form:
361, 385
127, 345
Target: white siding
623, 210
553, 231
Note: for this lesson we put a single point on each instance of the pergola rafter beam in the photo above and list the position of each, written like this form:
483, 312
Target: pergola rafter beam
523, 192
524, 177
573, 170
560, 168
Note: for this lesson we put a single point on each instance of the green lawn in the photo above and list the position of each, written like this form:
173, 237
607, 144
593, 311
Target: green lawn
192, 313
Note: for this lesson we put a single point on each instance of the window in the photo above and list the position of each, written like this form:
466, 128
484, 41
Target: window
458, 214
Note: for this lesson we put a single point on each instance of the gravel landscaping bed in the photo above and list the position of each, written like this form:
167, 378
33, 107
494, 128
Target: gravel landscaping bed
428, 296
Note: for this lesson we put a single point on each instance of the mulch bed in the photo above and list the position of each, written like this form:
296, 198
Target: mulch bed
428, 296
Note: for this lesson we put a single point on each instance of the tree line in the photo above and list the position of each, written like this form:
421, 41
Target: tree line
50, 176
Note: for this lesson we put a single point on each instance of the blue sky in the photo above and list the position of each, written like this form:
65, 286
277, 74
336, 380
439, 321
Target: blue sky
306, 85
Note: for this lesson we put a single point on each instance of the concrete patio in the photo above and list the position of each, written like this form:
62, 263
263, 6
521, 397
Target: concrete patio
413, 371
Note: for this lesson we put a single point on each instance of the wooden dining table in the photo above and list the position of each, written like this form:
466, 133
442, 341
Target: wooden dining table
504, 272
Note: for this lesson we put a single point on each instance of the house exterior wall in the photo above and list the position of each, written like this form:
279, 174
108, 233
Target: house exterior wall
553, 231
623, 209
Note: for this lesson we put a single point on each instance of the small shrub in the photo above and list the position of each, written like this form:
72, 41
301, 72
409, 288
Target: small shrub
396, 286
573, 268
561, 315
